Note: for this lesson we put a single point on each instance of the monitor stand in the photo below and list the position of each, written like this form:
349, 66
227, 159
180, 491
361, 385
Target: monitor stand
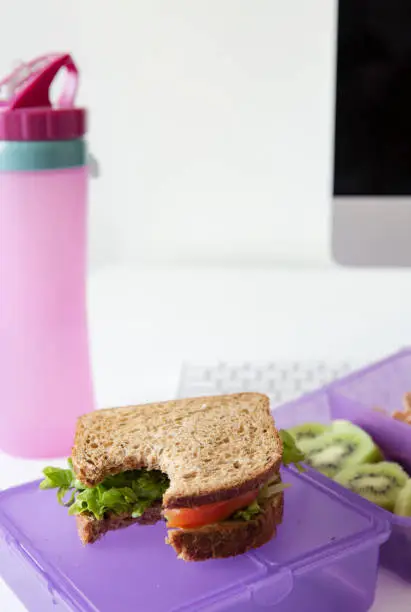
372, 231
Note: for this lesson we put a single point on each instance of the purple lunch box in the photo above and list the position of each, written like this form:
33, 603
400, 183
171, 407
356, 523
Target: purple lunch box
325, 556
359, 398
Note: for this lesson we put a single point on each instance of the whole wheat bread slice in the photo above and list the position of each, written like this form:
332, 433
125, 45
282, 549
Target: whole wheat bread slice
91, 529
211, 448
218, 540
229, 538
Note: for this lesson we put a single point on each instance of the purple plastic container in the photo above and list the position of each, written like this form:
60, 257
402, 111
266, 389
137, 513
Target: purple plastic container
325, 556
354, 398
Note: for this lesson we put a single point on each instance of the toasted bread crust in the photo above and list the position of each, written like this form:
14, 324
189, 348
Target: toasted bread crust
229, 538
211, 448
91, 529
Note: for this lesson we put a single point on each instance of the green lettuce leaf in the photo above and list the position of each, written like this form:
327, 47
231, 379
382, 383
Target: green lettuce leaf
147, 487
251, 511
56, 478
248, 513
61, 493
272, 488
140, 507
129, 492
291, 452
115, 500
88, 501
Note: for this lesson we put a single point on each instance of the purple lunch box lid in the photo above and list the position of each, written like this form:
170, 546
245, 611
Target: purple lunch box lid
27, 115
369, 396
323, 531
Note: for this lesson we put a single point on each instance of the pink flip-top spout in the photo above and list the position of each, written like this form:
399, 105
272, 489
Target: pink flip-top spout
27, 112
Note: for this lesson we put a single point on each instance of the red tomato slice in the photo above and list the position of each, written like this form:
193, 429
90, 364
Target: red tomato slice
209, 513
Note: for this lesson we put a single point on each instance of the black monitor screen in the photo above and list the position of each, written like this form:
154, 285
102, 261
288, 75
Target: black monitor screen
373, 98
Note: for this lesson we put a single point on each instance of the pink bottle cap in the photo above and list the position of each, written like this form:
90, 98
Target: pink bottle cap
27, 114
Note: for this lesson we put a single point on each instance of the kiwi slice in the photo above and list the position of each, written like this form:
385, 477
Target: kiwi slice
307, 433
338, 448
341, 425
380, 483
403, 502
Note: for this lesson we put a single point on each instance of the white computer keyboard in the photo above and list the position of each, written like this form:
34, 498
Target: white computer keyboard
281, 381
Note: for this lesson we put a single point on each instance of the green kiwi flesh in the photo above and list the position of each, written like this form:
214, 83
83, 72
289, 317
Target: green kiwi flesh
339, 424
307, 432
403, 502
380, 483
342, 447
342, 425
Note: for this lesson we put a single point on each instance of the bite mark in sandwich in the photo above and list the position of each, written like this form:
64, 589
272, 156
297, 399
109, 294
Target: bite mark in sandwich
208, 466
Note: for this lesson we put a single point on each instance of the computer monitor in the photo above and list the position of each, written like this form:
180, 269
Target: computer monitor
372, 144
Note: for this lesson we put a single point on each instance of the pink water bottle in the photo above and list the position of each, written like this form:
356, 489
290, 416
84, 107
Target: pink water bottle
45, 380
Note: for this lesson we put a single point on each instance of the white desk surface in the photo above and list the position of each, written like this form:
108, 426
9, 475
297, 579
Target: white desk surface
145, 322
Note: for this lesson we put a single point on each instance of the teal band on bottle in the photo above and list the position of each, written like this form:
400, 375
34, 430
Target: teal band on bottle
47, 155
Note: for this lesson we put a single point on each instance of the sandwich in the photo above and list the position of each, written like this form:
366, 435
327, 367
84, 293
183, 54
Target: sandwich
207, 466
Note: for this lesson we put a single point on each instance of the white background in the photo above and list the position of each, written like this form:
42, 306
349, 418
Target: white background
212, 120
